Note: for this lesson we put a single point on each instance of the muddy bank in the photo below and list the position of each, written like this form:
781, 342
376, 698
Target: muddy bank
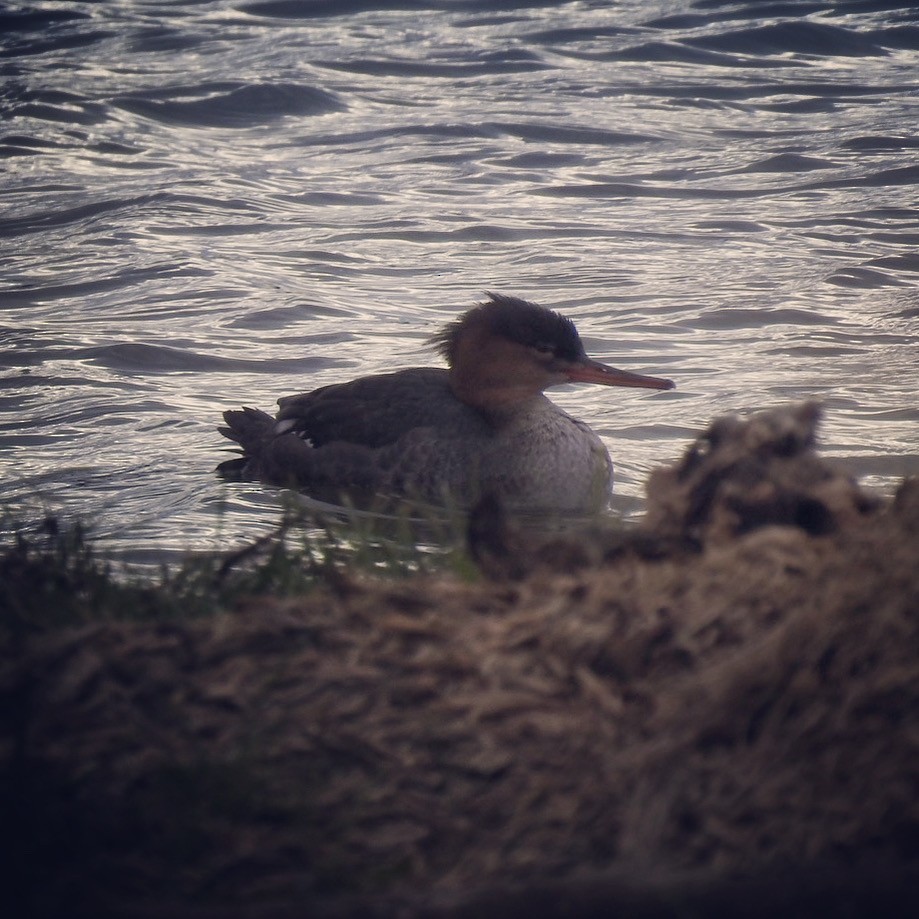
719, 711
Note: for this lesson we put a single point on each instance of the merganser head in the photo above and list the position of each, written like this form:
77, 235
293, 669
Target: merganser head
505, 351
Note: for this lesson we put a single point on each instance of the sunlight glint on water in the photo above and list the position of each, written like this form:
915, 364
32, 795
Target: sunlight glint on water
205, 206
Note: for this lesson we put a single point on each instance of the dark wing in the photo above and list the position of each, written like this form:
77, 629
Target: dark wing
377, 411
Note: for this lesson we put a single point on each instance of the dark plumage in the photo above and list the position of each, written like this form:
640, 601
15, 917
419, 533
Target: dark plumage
515, 320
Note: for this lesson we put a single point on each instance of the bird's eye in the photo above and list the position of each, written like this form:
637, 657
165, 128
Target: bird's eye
544, 349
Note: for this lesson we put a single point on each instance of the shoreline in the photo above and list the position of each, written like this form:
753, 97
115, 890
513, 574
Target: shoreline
720, 709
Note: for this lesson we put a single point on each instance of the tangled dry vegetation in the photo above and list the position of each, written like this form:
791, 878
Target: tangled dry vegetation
717, 715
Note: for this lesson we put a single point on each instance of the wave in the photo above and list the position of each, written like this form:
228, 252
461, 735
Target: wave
229, 105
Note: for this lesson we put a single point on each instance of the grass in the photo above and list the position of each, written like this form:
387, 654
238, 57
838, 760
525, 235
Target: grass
52, 574
175, 816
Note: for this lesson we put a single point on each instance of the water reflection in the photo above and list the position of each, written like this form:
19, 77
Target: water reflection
206, 206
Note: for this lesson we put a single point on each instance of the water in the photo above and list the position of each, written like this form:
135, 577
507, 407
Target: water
208, 204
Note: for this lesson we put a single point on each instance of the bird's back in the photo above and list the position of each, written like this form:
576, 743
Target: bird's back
378, 411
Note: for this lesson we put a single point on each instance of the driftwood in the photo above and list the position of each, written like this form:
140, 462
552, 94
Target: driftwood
718, 711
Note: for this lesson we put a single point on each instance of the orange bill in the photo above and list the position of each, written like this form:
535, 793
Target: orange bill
595, 372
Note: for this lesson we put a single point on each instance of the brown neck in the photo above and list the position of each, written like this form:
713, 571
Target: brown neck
494, 375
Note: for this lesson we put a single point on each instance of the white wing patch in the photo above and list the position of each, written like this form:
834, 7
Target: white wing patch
289, 426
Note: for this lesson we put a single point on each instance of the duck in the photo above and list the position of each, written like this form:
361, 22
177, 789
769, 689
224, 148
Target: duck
481, 426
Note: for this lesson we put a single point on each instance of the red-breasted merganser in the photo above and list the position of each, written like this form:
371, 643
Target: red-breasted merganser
483, 426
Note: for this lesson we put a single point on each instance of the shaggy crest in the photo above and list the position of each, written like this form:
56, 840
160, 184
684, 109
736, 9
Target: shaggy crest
515, 320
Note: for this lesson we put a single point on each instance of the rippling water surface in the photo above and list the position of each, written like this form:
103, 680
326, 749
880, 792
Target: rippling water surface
213, 203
